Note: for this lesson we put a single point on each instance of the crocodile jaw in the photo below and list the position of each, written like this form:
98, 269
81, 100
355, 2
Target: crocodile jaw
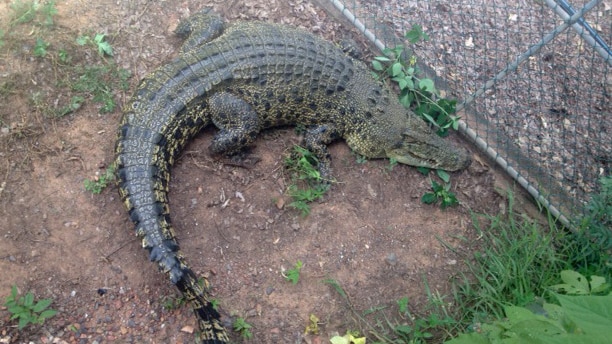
426, 149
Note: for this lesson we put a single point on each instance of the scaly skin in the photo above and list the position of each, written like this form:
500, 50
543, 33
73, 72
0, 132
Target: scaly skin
245, 78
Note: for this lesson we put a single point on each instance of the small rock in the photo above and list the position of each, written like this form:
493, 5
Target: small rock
391, 259
187, 329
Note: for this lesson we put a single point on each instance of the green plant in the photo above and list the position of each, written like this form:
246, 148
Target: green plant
173, 302
293, 275
242, 327
27, 310
63, 56
416, 92
100, 182
351, 337
307, 185
98, 41
514, 262
99, 82
593, 242
581, 316
392, 163
28, 11
40, 48
441, 192
574, 283
418, 329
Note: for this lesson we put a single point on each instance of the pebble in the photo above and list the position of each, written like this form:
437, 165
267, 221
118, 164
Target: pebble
391, 259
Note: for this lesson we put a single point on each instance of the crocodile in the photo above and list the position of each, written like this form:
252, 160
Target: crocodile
243, 78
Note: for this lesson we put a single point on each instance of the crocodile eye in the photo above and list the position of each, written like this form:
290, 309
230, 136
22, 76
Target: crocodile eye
407, 137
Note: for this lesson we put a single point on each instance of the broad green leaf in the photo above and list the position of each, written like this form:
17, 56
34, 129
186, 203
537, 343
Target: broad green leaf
469, 338
41, 305
598, 284
592, 314
429, 198
47, 314
16, 311
339, 340
575, 279
382, 58
23, 322
443, 175
29, 300
377, 65
427, 85
396, 69
82, 40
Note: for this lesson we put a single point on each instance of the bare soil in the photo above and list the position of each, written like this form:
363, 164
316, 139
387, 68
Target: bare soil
371, 233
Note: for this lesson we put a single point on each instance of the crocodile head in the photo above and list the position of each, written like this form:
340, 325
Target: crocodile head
408, 140
419, 146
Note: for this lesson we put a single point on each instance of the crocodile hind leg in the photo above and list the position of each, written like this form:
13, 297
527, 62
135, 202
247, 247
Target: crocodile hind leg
238, 123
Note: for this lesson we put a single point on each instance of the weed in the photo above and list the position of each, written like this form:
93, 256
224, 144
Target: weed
593, 244
307, 185
313, 325
215, 304
99, 82
417, 93
173, 302
442, 193
515, 264
26, 310
100, 182
411, 329
392, 163
360, 159
32, 11
242, 327
293, 275
351, 337
40, 48
63, 56
576, 319
98, 41
574, 283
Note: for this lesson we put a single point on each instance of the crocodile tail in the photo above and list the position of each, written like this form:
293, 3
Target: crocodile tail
209, 321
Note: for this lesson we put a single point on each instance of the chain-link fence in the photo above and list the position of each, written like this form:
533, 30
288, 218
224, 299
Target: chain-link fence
532, 78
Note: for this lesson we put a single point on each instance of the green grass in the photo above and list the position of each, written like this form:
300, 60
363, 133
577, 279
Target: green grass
99, 183
516, 262
293, 275
62, 53
306, 185
514, 270
39, 13
242, 327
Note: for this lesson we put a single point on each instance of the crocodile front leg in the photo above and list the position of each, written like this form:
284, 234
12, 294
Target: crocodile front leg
316, 139
238, 123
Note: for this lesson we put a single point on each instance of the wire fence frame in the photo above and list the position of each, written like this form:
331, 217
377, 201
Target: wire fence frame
571, 19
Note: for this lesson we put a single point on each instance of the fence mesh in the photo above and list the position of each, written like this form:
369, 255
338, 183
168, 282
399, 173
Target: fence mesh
532, 78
